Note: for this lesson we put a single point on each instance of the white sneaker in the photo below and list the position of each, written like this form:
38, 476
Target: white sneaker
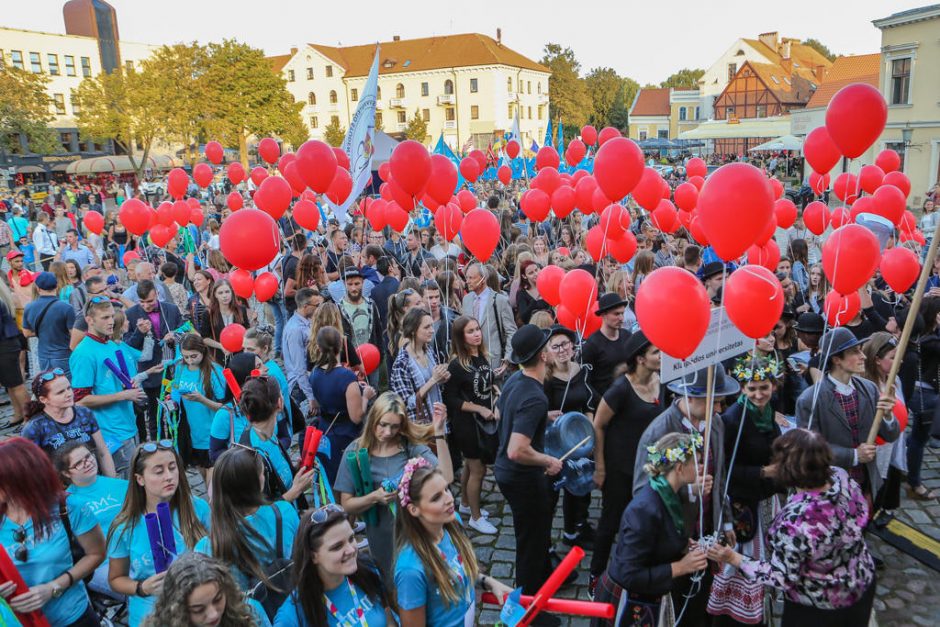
482, 525
465, 511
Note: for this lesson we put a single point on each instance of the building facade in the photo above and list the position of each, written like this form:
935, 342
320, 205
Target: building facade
465, 87
663, 113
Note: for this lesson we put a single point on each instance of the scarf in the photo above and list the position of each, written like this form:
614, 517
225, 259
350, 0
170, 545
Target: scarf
670, 499
763, 418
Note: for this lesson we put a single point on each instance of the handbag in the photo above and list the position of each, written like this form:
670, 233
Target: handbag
736, 596
487, 439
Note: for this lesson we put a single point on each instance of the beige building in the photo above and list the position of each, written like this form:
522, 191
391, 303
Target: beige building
663, 113
466, 87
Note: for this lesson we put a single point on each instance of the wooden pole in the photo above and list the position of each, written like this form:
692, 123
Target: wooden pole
908, 328
709, 402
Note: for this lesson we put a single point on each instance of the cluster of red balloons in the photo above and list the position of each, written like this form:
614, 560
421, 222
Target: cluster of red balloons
573, 295
263, 286
139, 218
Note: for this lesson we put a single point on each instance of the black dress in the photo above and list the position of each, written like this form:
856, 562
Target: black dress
469, 385
526, 306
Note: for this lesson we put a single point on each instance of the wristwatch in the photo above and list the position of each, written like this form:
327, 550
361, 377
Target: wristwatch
56, 591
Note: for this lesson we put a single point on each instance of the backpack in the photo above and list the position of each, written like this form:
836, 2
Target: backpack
274, 488
277, 571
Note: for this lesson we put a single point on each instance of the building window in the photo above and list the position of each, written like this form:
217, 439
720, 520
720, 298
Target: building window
59, 101
528, 87
449, 87
334, 119
426, 115
329, 71
35, 63
354, 94
378, 119
539, 86
901, 81
309, 73
332, 96
474, 87
69, 65
16, 58
682, 114
449, 114
698, 112
311, 98
509, 84
425, 90
314, 122
510, 111
290, 76
662, 133
642, 135
474, 112
86, 67
399, 91
529, 112
732, 70
76, 104
519, 86
53, 60
66, 139
541, 112
761, 111
402, 117
729, 112
378, 92
898, 147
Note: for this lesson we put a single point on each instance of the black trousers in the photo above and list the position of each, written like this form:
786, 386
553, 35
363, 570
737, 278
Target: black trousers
617, 494
796, 615
532, 502
147, 416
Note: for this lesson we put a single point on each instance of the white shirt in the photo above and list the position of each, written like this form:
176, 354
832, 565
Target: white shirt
45, 241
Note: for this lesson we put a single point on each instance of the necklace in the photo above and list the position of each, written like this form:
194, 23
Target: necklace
360, 613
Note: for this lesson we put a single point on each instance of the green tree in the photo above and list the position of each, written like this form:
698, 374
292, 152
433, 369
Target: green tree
334, 134
821, 48
569, 99
25, 109
684, 78
378, 121
619, 116
296, 133
244, 97
417, 128
612, 96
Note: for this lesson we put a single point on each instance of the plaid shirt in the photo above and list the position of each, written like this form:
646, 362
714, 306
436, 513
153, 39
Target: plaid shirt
849, 405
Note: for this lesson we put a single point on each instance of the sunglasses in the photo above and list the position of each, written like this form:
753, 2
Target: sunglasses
320, 515
20, 552
52, 374
153, 447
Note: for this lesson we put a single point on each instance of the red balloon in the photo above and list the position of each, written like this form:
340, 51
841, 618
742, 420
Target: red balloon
549, 284
575, 152
578, 291
589, 135
94, 222
235, 172
160, 235
865, 204
889, 202
259, 173
596, 243
443, 179
504, 174
839, 308
287, 158
375, 214
855, 118
164, 213
686, 196
915, 236
202, 174
846, 187
563, 201
664, 217
870, 177
273, 196
410, 166
214, 153
584, 194
466, 200
819, 182
696, 167
908, 221
734, 207
899, 268
840, 217
480, 233
177, 182
129, 256
396, 217
193, 203
181, 213
269, 150
243, 284
232, 338
342, 160
899, 180
767, 255
548, 180
235, 201
316, 162
480, 159
673, 310
754, 300
546, 157
265, 286
769, 229
785, 211
307, 215
820, 151
900, 413
135, 216
599, 201
618, 167
698, 181
648, 191
385, 171
512, 148
888, 160
448, 221
369, 356
292, 175
197, 217
341, 187
469, 169
249, 239
816, 217
776, 188
622, 249
850, 256
607, 133
535, 204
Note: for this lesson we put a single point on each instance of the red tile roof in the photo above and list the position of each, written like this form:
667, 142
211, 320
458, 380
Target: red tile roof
862, 68
651, 102
278, 62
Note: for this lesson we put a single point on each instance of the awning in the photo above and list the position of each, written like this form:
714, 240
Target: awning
60, 167
754, 127
30, 169
118, 164
787, 142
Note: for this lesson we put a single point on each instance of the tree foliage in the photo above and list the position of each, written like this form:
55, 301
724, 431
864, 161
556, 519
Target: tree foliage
334, 134
684, 79
611, 96
417, 128
25, 108
821, 48
569, 99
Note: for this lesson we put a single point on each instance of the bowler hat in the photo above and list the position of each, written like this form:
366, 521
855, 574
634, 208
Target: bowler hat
712, 268
527, 342
810, 322
608, 301
836, 341
636, 344
695, 385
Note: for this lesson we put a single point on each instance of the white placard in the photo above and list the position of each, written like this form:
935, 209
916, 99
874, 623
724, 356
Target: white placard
708, 352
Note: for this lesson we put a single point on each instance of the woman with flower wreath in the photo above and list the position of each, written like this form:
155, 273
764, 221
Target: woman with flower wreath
654, 549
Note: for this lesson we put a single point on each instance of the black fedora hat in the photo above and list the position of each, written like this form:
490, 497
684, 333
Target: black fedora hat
560, 329
695, 385
636, 344
608, 301
712, 268
526, 343
810, 322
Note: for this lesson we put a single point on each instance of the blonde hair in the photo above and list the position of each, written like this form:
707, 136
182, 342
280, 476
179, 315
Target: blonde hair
668, 441
391, 403
326, 315
542, 319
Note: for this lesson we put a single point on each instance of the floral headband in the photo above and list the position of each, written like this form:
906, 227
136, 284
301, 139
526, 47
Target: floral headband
746, 370
404, 485
677, 453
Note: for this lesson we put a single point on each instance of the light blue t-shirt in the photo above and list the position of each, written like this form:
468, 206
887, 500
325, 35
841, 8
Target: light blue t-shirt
135, 547
264, 523
275, 371
117, 421
346, 601
222, 424
104, 497
51, 556
271, 449
198, 415
416, 589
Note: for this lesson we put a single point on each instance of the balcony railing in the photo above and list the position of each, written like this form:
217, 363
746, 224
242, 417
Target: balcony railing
398, 103
446, 99
450, 124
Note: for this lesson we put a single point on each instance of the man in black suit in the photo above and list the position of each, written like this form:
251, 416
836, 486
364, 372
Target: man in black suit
388, 271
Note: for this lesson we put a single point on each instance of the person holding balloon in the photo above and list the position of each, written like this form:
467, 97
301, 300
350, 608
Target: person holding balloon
225, 308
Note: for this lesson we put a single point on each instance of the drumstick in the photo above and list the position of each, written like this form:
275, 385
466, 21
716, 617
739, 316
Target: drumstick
575, 447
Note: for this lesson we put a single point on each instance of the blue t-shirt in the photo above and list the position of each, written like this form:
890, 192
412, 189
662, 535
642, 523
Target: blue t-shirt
135, 547
416, 589
271, 449
50, 557
275, 371
104, 496
117, 421
50, 435
329, 388
346, 601
198, 415
222, 424
56, 328
264, 523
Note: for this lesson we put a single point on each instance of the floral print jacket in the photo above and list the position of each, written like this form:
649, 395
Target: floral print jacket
818, 552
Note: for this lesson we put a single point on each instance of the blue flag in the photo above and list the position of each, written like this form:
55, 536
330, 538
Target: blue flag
441, 148
548, 134
561, 138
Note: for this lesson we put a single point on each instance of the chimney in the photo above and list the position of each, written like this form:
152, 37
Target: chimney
785, 49
293, 51
499, 36
769, 39
396, 37
820, 72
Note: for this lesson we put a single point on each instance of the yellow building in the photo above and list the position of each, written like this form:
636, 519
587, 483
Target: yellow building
663, 113
466, 87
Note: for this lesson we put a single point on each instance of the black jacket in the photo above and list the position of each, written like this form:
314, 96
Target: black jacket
170, 320
753, 453
441, 344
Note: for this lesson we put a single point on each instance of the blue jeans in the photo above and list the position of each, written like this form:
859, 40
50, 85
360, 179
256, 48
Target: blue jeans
49, 363
280, 317
921, 409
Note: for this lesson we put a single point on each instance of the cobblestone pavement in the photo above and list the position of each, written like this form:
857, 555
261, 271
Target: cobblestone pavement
908, 592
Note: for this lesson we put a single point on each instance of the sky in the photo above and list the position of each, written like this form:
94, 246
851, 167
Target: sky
646, 41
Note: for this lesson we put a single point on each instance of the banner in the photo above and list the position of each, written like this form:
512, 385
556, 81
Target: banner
722, 341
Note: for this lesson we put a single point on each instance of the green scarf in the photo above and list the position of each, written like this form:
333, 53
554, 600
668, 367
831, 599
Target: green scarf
763, 418
671, 499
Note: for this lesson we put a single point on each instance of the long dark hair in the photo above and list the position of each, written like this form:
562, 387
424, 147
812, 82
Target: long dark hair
259, 398
193, 342
215, 309
329, 345
458, 342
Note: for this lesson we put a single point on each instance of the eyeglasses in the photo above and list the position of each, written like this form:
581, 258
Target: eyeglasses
320, 515
561, 346
152, 447
86, 459
20, 552
52, 374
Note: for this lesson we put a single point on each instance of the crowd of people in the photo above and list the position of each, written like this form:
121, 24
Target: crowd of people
735, 494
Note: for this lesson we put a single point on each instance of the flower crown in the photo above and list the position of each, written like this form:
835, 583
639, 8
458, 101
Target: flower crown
677, 453
404, 484
746, 370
